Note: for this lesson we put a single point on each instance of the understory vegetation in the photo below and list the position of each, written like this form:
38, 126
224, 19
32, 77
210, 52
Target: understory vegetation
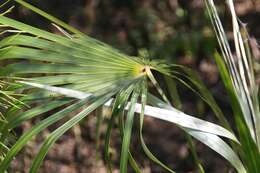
62, 78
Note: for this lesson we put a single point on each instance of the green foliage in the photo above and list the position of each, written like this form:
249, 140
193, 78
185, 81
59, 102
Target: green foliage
239, 80
79, 74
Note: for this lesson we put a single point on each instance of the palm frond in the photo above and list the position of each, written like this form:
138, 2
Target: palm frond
239, 79
8, 99
80, 67
241, 73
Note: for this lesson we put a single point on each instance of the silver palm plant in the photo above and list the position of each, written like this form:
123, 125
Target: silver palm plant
79, 74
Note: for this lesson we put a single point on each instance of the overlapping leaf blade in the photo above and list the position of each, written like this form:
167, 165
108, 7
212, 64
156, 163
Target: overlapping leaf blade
80, 63
88, 65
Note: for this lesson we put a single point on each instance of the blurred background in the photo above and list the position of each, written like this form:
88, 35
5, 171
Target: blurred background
178, 31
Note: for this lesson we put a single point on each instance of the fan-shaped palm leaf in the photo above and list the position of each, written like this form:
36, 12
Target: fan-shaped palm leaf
94, 72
